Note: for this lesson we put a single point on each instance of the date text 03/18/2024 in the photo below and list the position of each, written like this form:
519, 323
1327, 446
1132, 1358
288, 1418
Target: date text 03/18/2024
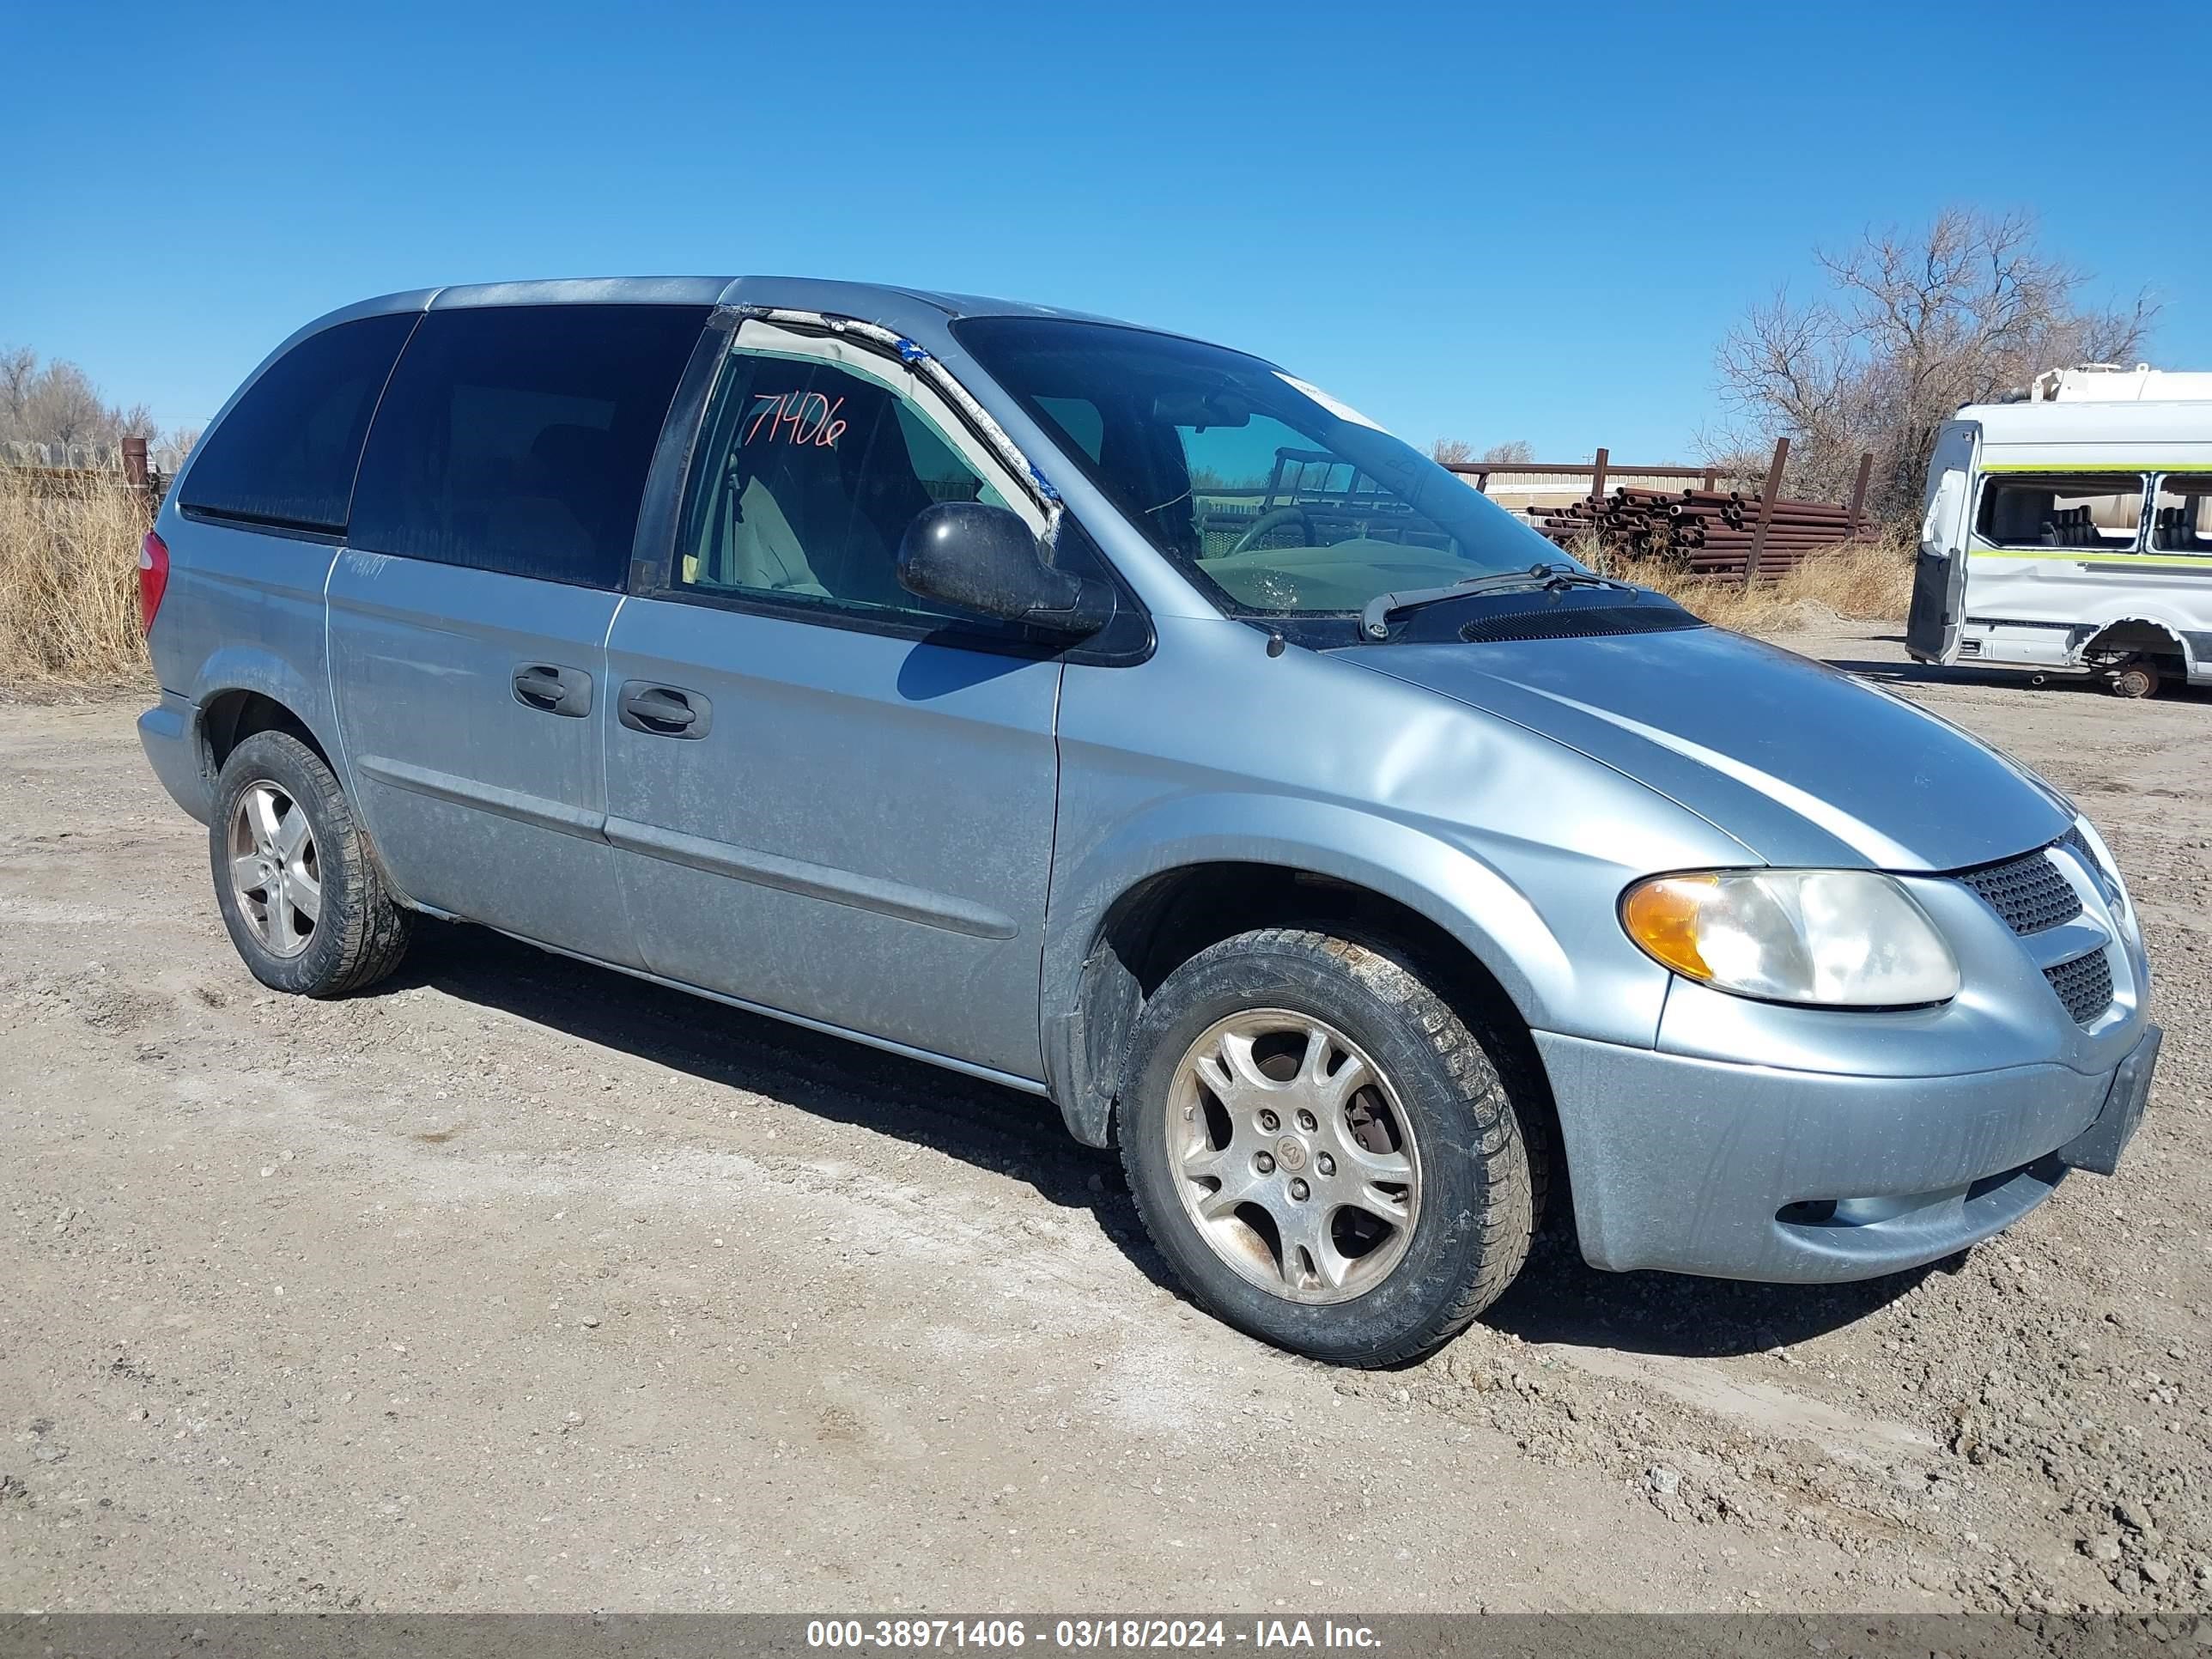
907, 1634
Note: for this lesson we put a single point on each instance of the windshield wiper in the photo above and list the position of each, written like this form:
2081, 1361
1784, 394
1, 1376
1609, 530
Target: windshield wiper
1375, 617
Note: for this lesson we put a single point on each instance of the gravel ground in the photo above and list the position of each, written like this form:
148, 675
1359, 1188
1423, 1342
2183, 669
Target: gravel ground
515, 1284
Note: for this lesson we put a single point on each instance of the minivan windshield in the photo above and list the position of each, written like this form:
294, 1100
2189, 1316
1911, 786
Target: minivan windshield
1279, 499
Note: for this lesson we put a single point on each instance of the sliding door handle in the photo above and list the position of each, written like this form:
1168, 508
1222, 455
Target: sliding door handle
551, 690
663, 711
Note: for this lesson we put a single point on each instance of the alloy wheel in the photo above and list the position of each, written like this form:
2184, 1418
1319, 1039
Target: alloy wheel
1293, 1155
274, 871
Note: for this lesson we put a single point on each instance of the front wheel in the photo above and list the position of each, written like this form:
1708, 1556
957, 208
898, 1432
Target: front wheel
1322, 1149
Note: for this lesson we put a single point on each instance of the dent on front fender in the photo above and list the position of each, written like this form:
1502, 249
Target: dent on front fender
1471, 900
1515, 846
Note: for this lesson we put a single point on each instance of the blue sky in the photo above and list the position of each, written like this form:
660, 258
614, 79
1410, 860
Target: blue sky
1480, 221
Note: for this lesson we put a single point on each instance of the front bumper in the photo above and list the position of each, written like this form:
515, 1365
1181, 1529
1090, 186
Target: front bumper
1703, 1166
167, 733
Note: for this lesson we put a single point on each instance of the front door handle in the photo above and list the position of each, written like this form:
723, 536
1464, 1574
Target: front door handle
663, 711
552, 690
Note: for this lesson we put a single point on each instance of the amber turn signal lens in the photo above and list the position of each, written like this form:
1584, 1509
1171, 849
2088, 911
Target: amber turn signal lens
1662, 916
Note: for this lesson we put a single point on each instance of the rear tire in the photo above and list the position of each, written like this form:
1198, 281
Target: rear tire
304, 902
1322, 1149
2136, 678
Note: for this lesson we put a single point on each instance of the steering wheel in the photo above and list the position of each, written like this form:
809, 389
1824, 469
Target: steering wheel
1266, 521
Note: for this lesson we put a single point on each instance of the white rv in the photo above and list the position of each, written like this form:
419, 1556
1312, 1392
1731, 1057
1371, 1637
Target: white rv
2073, 530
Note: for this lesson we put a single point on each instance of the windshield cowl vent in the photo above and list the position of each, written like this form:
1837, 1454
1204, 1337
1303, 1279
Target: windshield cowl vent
1576, 623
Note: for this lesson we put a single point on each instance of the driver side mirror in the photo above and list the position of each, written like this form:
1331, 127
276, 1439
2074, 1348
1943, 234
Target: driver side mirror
984, 559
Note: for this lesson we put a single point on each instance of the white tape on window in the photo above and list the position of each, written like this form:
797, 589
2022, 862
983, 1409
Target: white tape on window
1342, 411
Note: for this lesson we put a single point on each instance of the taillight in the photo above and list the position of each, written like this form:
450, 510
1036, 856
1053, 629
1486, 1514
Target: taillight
153, 578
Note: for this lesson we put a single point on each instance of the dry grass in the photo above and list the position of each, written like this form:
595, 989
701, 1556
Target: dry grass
1858, 581
69, 583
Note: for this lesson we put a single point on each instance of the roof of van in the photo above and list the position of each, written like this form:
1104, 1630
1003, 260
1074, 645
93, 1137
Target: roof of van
2160, 424
2108, 383
867, 299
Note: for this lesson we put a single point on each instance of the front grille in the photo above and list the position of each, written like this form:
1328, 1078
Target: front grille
2028, 892
2084, 985
2079, 845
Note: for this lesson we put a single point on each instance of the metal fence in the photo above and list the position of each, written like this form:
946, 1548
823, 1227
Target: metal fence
74, 468
1682, 515
91, 456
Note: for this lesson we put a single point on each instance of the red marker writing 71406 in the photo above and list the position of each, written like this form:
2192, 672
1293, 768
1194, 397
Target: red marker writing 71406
797, 417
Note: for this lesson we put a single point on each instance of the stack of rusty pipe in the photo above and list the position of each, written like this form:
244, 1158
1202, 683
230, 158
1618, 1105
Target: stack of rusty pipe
1706, 533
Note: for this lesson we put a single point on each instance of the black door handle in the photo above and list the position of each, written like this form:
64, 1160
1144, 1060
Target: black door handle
663, 711
553, 690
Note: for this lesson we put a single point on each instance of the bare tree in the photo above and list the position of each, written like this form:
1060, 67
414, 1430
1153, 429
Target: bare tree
66, 407
1915, 324
19, 365
58, 404
1457, 451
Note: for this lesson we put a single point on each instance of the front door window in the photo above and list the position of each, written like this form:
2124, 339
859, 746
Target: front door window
810, 472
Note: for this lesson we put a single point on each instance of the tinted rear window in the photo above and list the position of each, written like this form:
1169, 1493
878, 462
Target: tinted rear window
517, 439
285, 454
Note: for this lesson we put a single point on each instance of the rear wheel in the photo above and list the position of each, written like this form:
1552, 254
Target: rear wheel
303, 902
1322, 1149
2136, 677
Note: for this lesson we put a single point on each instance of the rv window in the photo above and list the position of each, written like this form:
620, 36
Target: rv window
2098, 511
2183, 520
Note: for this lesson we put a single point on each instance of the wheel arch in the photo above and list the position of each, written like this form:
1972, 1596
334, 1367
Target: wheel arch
243, 692
235, 714
240, 690
1126, 926
2136, 632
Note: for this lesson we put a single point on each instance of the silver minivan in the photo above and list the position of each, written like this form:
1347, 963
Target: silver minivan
1123, 719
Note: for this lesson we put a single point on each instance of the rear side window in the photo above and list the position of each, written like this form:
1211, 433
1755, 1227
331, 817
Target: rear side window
2184, 521
286, 454
517, 439
2095, 510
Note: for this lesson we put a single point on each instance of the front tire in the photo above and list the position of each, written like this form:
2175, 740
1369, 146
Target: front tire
1322, 1149
303, 901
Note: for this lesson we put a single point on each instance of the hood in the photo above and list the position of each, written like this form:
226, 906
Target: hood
1803, 765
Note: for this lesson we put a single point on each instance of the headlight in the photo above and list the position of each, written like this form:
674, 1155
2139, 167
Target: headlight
1838, 938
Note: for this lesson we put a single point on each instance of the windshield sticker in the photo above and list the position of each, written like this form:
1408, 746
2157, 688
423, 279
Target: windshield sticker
798, 417
1342, 411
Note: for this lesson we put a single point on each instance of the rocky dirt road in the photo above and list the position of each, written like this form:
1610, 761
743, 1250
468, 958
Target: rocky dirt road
516, 1283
